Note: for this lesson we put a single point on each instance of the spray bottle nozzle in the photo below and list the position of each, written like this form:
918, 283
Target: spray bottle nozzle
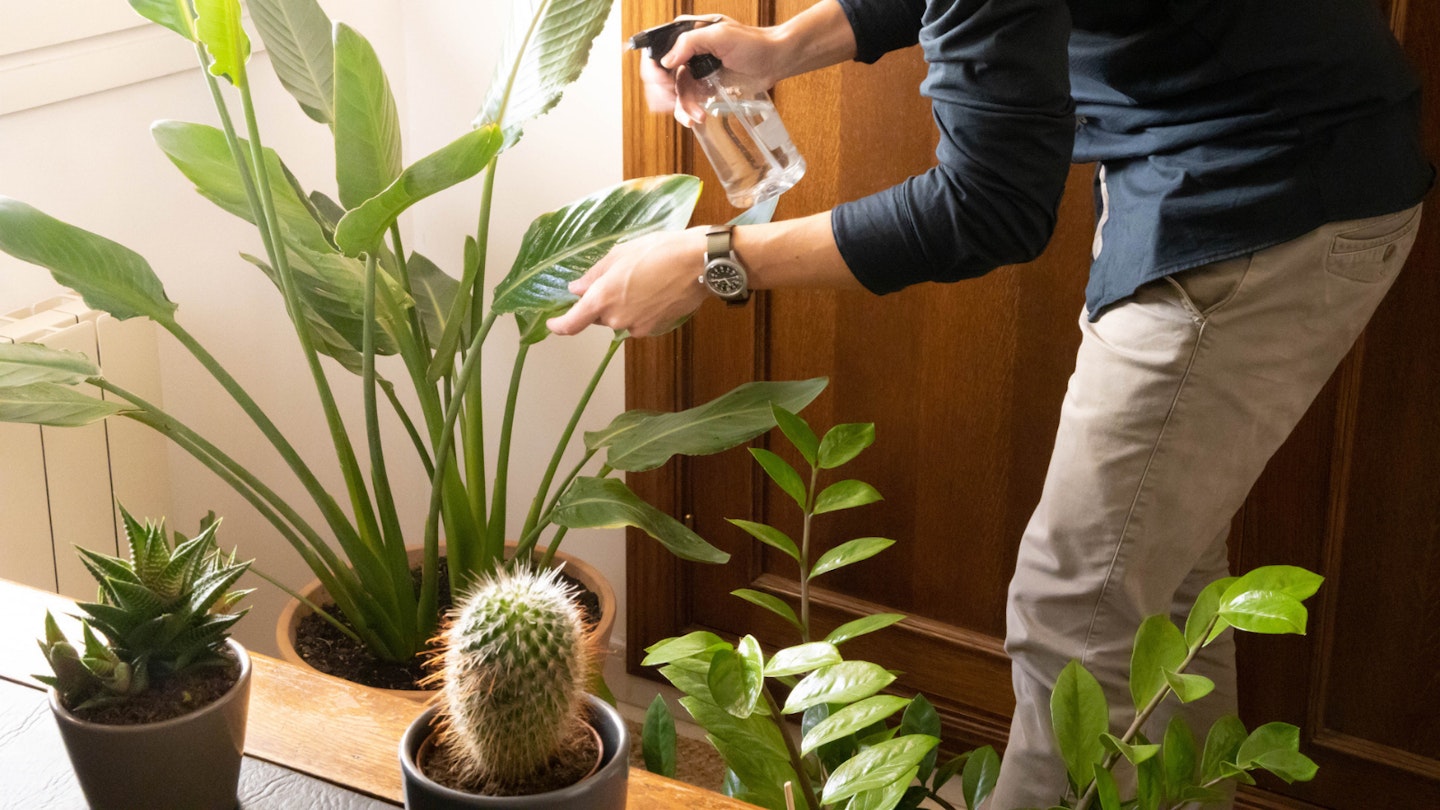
659, 40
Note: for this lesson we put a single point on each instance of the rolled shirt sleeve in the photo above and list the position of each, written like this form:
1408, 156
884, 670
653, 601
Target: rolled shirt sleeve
999, 88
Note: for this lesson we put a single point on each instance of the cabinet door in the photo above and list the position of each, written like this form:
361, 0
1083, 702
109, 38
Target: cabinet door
964, 383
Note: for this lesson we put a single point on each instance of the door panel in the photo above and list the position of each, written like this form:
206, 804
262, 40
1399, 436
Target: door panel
964, 383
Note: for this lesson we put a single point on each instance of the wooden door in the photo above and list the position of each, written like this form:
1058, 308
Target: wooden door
964, 383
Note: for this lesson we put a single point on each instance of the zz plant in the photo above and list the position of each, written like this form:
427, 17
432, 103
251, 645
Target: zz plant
355, 294
165, 611
854, 752
1176, 771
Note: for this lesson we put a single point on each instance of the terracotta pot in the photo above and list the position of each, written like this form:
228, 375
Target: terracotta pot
586, 573
604, 789
190, 762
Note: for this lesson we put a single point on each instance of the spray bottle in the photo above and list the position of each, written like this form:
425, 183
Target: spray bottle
741, 134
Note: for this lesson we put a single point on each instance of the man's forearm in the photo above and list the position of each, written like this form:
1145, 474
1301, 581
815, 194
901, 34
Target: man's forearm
794, 253
818, 37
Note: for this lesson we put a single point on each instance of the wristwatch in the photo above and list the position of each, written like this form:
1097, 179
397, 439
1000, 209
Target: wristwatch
724, 274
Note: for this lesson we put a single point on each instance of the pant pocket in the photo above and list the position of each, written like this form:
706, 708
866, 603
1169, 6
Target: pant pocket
1372, 250
1206, 288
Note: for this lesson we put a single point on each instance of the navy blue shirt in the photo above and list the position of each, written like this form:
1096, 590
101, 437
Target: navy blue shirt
1222, 127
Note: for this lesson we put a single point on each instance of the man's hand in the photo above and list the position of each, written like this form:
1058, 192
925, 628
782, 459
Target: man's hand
646, 286
755, 52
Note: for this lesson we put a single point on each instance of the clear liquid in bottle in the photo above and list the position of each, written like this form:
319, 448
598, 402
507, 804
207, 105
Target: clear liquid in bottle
749, 147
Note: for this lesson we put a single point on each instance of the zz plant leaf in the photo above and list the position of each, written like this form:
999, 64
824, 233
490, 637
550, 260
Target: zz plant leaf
658, 738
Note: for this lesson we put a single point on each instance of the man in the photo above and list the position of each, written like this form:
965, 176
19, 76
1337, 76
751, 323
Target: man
1258, 188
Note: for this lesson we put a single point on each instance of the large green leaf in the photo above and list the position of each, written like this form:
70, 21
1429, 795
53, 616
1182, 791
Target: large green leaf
367, 123
802, 658
847, 553
844, 682
850, 719
751, 747
1178, 757
1206, 608
736, 677
218, 27
1079, 716
1159, 647
887, 796
546, 48
658, 738
843, 443
770, 536
606, 503
361, 229
734, 417
1268, 599
862, 626
297, 37
54, 405
770, 602
434, 292
1221, 745
202, 154
784, 475
26, 363
1276, 748
878, 766
982, 770
173, 14
109, 276
687, 646
846, 494
921, 718
798, 431
560, 246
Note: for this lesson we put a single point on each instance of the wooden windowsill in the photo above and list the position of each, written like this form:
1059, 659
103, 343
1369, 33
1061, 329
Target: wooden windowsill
308, 722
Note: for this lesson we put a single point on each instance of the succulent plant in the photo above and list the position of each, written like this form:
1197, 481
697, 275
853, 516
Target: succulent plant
165, 610
516, 664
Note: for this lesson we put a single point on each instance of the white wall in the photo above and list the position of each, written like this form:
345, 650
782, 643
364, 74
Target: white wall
89, 159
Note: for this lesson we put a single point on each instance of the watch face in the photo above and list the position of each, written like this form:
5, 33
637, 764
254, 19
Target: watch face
725, 278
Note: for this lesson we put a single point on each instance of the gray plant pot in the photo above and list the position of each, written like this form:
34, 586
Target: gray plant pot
185, 763
602, 790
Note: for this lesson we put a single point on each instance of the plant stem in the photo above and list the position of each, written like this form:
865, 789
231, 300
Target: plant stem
529, 539
797, 763
805, 556
392, 537
1143, 716
495, 530
403, 268
543, 490
935, 797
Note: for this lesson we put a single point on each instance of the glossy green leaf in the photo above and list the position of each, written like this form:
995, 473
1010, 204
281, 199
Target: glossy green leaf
736, 677
784, 476
173, 14
885, 797
851, 719
362, 229
1296, 583
1205, 609
1276, 748
202, 154
802, 658
982, 769
862, 626
1150, 784
1188, 688
878, 766
770, 602
367, 123
1106, 791
752, 747
657, 738
1268, 612
846, 494
108, 275
770, 536
1221, 745
686, 646
26, 363
53, 405
844, 682
218, 27
738, 416
1178, 756
606, 503
799, 434
560, 246
547, 46
1159, 647
848, 553
1136, 754
843, 443
1079, 715
921, 718
297, 37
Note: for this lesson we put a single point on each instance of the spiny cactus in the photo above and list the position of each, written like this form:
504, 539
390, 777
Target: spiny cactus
517, 661
165, 610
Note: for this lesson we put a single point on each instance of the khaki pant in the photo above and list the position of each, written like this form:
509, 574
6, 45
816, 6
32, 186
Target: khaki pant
1180, 396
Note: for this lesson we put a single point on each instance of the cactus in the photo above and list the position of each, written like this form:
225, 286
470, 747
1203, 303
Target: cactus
165, 610
516, 664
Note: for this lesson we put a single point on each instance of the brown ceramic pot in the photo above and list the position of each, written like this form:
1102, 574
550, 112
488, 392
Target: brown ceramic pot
587, 574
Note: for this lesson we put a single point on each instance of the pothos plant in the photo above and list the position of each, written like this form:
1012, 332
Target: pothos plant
1175, 771
859, 749
354, 293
